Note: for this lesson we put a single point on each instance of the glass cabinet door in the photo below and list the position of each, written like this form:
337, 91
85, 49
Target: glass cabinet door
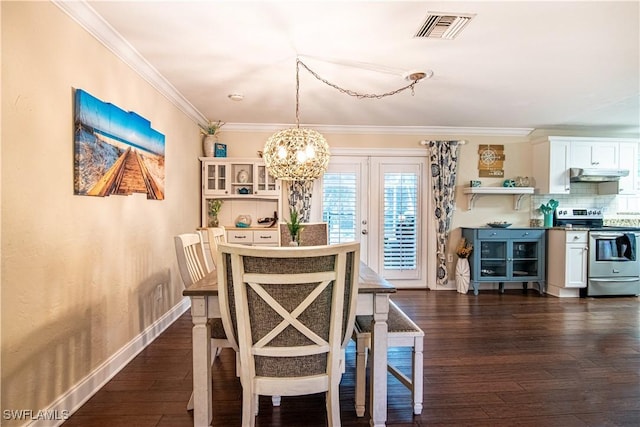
266, 183
525, 259
493, 259
215, 179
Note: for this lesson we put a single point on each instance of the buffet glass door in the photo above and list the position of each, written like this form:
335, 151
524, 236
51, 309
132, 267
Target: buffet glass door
493, 258
525, 259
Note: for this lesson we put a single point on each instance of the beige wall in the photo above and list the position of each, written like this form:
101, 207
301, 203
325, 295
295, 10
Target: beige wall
79, 274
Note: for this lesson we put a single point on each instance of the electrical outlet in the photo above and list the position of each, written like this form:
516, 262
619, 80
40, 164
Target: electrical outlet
450, 258
159, 293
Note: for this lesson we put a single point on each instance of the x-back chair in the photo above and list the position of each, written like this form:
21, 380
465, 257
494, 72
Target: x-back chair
290, 312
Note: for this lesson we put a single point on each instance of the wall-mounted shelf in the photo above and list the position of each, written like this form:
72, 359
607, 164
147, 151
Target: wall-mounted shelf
517, 192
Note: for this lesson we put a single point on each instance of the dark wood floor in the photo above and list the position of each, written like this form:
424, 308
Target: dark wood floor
492, 359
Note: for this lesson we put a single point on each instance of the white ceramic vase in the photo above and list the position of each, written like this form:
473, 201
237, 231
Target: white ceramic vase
209, 145
462, 275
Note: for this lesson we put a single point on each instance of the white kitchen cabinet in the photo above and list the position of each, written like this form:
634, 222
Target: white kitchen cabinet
567, 257
629, 160
551, 158
594, 153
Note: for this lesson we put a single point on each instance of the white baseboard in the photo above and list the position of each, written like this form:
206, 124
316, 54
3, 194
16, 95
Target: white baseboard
78, 395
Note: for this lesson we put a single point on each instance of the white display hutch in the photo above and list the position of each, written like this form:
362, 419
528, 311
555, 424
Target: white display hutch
246, 188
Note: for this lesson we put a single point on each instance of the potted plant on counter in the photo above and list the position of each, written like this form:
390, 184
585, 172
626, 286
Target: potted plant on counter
214, 208
295, 227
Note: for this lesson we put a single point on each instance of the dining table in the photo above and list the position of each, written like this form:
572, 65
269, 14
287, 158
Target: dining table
373, 300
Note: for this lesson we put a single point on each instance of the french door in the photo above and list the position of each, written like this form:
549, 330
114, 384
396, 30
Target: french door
379, 202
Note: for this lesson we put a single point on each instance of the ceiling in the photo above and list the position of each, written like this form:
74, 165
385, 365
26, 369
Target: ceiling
515, 67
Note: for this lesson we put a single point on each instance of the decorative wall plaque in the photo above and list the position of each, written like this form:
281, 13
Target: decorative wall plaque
491, 161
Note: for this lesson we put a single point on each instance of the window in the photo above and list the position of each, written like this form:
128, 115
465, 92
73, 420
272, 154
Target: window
339, 206
400, 199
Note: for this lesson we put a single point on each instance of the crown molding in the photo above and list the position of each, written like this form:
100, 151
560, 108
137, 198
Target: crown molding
394, 130
81, 12
94, 24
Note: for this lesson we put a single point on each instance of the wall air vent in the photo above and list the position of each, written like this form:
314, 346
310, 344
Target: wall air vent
443, 25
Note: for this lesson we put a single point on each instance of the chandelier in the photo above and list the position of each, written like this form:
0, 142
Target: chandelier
297, 154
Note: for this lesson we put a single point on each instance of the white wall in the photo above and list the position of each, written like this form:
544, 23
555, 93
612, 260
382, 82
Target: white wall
79, 274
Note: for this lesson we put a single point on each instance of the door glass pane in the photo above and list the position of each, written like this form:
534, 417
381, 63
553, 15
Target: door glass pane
525, 259
400, 203
493, 259
339, 206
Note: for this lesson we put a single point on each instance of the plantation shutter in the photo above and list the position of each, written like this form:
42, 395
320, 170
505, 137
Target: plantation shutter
339, 198
400, 208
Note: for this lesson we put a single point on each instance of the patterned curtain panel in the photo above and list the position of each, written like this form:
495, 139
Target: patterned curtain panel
300, 198
444, 163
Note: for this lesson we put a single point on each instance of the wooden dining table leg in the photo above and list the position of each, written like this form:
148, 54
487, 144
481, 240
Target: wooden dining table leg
379, 346
201, 336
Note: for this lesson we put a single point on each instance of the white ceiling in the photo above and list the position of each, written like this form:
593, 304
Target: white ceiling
517, 65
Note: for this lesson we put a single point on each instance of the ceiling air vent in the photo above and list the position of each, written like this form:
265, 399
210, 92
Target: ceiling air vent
443, 25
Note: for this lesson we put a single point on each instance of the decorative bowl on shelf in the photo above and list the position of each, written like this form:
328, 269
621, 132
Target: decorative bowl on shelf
243, 221
498, 224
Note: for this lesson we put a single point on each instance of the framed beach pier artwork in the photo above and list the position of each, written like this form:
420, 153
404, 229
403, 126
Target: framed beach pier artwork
115, 151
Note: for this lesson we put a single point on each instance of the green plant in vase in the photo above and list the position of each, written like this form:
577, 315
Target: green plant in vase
295, 227
214, 208
212, 128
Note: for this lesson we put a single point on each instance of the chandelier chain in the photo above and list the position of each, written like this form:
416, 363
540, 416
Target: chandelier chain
348, 91
298, 93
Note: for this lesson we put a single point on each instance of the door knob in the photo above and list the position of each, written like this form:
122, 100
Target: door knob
365, 232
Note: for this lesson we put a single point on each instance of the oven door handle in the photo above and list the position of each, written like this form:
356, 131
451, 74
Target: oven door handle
605, 235
631, 279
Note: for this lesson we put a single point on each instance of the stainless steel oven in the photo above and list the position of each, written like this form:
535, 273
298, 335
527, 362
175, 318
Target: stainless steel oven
614, 265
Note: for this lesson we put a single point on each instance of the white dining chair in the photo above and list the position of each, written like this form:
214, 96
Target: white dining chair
290, 312
193, 266
312, 234
215, 236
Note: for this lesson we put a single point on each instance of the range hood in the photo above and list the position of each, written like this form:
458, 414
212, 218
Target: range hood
597, 175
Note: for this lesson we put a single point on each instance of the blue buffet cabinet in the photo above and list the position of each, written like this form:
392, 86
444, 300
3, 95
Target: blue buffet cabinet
503, 255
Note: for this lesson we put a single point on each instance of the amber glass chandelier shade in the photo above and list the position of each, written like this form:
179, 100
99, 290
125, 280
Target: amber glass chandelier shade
296, 154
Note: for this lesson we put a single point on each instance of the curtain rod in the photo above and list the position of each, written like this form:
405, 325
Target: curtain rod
426, 142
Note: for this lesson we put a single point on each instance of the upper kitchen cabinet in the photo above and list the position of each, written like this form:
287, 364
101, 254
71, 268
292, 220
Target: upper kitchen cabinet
554, 156
551, 165
629, 152
596, 153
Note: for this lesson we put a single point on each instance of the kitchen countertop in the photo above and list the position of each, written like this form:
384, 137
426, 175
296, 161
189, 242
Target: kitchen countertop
565, 228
